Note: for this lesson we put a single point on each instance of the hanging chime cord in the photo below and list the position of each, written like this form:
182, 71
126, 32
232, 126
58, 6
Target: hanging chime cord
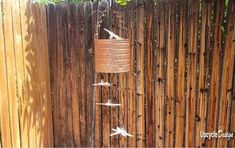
121, 123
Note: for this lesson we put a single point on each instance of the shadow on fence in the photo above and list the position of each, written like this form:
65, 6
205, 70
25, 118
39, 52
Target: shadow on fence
25, 100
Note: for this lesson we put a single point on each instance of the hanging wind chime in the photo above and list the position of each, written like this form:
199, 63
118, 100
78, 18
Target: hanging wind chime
112, 56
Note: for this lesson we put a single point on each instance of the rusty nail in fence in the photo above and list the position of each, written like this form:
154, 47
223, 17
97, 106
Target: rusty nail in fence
112, 56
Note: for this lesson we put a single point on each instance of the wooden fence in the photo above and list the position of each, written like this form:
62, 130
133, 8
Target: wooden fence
25, 106
181, 81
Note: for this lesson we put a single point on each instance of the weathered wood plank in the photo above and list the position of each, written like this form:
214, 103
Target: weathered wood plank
191, 77
170, 76
24, 109
122, 81
160, 72
46, 138
73, 45
53, 37
149, 14
89, 71
140, 133
131, 78
4, 101
42, 102
67, 76
97, 115
94, 18
180, 91
34, 74
208, 56
61, 111
67, 60
19, 58
11, 72
202, 94
30, 76
103, 6
81, 80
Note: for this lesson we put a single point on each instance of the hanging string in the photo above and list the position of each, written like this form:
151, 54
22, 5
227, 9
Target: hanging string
118, 119
101, 14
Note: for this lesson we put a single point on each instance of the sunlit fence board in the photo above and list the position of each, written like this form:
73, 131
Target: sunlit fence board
25, 90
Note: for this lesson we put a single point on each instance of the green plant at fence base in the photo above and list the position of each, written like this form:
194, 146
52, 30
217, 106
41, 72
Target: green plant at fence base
122, 2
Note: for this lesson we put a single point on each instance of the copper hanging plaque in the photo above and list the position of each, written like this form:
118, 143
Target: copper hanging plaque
112, 56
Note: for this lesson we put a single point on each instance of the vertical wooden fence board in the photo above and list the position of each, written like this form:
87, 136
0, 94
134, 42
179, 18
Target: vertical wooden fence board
58, 100
126, 75
122, 113
24, 110
53, 53
32, 75
213, 108
208, 57
29, 111
180, 99
170, 76
73, 44
68, 78
82, 87
11, 72
47, 125
81, 74
94, 20
118, 117
19, 59
191, 77
140, 106
68, 84
160, 82
114, 91
89, 69
149, 10
60, 97
114, 141
105, 114
4, 101
131, 76
97, 115
103, 6
227, 77
98, 121
202, 96
38, 79
35, 77
122, 82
